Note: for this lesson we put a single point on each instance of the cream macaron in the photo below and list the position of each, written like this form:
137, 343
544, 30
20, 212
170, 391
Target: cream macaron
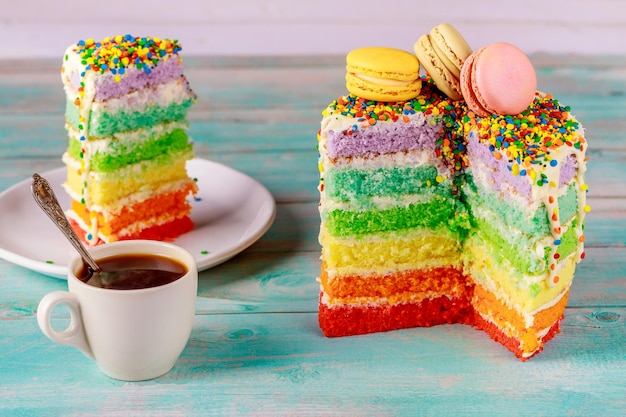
442, 53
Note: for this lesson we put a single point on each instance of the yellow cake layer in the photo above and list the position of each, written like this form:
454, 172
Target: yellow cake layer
105, 189
390, 251
524, 294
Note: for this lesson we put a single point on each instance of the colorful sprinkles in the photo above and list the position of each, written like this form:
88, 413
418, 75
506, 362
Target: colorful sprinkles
118, 53
367, 113
115, 55
527, 139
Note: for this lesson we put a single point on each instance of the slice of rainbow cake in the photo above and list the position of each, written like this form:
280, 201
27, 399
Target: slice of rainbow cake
126, 117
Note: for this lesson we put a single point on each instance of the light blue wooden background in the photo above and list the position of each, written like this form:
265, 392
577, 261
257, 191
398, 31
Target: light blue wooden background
256, 348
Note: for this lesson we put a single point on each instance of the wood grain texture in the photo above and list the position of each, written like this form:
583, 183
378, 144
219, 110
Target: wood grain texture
279, 364
256, 348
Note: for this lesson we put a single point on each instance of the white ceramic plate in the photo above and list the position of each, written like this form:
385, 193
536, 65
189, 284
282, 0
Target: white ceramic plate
231, 212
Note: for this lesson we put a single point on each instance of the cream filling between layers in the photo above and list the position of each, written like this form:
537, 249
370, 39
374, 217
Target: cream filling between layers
110, 211
383, 81
409, 159
173, 91
341, 123
377, 202
377, 302
427, 264
95, 145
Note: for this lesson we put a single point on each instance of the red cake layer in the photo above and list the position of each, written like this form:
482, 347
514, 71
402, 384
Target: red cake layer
347, 320
166, 231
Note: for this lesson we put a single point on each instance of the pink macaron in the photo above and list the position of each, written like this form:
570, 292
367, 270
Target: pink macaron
498, 79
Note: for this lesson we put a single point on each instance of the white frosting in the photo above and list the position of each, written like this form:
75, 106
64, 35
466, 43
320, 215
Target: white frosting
340, 123
383, 81
381, 203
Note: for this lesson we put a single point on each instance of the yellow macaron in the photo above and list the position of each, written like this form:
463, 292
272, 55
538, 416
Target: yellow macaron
442, 53
383, 74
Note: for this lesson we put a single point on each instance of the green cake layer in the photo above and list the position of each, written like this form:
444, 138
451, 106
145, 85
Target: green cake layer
513, 233
119, 154
346, 184
514, 216
432, 214
109, 123
521, 254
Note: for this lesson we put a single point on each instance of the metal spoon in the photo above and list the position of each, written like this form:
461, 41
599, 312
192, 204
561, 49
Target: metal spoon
44, 196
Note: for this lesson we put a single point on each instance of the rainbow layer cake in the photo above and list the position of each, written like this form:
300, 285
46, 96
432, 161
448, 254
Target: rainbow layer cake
126, 118
431, 214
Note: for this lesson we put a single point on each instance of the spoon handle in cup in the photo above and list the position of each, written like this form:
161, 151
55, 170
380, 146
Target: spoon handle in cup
44, 196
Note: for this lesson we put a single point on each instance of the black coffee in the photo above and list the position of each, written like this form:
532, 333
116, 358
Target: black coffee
133, 271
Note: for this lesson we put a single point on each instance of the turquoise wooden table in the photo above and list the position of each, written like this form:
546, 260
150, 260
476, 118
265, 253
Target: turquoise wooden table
256, 348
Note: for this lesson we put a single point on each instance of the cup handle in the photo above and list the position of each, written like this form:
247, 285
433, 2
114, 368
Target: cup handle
74, 334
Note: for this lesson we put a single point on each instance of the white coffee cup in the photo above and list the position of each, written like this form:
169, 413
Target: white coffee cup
132, 335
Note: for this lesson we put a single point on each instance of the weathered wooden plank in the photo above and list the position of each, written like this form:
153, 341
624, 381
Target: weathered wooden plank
280, 364
23, 137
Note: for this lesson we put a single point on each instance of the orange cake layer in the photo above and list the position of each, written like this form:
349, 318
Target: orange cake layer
512, 343
440, 280
529, 339
486, 303
173, 204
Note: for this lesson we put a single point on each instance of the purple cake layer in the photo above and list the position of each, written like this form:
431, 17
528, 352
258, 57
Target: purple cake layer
134, 79
500, 172
383, 138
